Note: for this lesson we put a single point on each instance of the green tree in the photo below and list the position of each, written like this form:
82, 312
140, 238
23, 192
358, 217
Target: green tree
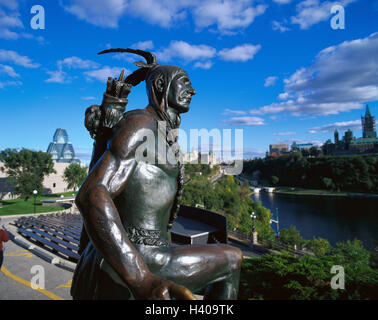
291, 237
314, 151
74, 175
319, 246
26, 170
328, 183
284, 277
356, 173
274, 180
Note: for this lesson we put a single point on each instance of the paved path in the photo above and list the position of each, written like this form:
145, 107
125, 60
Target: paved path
21, 269
247, 252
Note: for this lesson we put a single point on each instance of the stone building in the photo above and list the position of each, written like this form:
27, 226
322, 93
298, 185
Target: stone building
349, 144
278, 149
203, 158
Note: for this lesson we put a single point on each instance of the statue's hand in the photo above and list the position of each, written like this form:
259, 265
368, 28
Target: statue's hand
161, 289
117, 88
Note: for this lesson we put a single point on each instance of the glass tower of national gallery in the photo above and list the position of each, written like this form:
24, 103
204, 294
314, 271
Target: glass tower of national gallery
61, 149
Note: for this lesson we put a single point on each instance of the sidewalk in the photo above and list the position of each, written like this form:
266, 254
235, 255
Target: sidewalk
22, 268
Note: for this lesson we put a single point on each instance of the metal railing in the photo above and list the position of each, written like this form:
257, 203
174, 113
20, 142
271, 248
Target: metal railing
269, 244
239, 235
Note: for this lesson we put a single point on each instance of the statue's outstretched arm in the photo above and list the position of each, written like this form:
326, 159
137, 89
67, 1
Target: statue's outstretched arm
107, 179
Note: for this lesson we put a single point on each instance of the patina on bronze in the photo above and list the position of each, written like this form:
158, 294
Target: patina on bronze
128, 205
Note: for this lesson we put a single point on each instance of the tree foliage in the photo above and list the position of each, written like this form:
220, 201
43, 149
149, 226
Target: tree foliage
285, 277
291, 237
74, 175
26, 170
319, 246
227, 197
357, 173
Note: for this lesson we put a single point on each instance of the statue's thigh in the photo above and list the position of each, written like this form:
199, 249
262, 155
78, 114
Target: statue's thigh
194, 266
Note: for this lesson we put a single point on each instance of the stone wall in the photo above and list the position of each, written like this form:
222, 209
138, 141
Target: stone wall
53, 183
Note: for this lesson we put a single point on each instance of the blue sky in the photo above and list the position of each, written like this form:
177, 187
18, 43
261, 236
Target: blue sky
274, 68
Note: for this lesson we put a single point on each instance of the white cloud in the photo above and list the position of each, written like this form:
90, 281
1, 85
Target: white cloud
279, 26
245, 121
131, 58
143, 45
225, 16
77, 63
282, 1
88, 98
340, 126
270, 81
283, 96
186, 51
9, 83
15, 58
310, 12
341, 79
190, 52
163, 13
233, 112
243, 52
10, 4
280, 134
103, 73
203, 65
39, 39
9, 19
100, 13
8, 70
58, 76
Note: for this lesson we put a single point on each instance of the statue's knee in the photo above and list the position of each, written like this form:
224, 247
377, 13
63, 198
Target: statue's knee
234, 256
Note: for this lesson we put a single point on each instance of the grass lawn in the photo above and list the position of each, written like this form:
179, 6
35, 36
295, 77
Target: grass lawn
20, 206
310, 191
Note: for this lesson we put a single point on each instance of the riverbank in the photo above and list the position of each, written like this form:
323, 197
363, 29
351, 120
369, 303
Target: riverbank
326, 193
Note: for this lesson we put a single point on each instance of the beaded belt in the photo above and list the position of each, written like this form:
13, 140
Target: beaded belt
146, 237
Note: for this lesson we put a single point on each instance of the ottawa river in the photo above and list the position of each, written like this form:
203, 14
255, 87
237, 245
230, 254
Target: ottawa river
333, 218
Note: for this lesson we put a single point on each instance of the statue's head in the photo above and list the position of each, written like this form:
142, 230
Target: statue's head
168, 87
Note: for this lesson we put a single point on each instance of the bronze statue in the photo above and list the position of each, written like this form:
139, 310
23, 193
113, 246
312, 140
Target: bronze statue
129, 205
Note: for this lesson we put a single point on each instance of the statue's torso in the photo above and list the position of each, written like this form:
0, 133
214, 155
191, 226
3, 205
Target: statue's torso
148, 197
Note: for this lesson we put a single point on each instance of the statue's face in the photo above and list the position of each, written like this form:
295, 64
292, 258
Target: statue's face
180, 93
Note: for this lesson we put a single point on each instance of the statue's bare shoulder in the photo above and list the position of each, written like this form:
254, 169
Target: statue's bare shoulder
129, 134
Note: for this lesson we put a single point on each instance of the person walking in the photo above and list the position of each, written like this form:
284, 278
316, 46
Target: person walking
3, 238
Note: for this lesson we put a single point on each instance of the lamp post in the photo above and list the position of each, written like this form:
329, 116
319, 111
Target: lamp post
73, 203
254, 233
253, 217
277, 224
35, 192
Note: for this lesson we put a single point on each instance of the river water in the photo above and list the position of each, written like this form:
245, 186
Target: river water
333, 218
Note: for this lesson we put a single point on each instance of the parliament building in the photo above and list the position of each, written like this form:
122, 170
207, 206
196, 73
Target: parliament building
368, 143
